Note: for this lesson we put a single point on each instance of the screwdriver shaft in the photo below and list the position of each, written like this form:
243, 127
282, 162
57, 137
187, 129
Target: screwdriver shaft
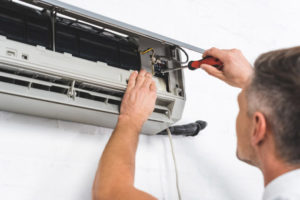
174, 69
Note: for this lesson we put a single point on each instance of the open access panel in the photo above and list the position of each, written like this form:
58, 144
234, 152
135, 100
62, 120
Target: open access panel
59, 61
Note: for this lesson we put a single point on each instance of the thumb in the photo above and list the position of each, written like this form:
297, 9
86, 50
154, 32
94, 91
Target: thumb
212, 71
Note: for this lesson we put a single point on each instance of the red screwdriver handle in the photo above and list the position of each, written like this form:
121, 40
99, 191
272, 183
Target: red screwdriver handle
207, 60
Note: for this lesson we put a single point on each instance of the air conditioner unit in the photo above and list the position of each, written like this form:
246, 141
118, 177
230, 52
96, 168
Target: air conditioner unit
63, 62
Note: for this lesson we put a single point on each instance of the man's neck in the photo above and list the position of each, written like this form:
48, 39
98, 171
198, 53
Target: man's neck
273, 168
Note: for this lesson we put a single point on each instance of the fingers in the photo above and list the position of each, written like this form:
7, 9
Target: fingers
132, 80
147, 81
153, 86
140, 78
215, 52
213, 71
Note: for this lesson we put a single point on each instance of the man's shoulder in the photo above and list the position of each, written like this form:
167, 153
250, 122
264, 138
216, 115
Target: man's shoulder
284, 197
284, 187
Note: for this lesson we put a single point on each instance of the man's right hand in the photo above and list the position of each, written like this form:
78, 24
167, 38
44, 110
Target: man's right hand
236, 70
139, 99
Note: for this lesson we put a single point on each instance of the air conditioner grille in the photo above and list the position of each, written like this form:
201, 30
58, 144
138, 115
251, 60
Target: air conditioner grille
32, 26
74, 89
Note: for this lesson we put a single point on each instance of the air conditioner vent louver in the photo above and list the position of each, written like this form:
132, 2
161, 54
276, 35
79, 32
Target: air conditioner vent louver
63, 86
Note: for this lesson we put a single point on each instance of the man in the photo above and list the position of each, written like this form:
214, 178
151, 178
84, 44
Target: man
267, 126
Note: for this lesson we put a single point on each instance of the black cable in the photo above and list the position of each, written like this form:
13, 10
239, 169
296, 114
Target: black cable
191, 129
180, 62
186, 55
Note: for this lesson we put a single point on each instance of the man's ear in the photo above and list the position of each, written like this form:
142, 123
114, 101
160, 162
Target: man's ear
259, 131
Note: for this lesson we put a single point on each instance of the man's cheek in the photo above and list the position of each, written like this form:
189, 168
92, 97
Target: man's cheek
237, 124
238, 133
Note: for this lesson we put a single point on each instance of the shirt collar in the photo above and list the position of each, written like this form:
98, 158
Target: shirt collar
282, 183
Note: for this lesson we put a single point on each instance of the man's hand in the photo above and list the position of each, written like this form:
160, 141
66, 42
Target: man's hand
236, 71
139, 99
115, 175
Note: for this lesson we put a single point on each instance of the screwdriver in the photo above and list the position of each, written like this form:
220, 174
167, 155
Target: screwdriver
196, 64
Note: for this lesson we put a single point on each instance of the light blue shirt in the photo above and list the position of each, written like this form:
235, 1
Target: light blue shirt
284, 187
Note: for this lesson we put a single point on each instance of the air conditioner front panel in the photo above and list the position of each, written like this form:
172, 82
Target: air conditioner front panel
46, 90
59, 63
40, 108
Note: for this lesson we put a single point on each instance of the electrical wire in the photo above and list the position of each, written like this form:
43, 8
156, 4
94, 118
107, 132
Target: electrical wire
153, 58
157, 58
186, 55
180, 62
175, 165
147, 50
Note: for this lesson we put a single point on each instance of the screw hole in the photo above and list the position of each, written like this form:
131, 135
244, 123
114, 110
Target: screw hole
25, 57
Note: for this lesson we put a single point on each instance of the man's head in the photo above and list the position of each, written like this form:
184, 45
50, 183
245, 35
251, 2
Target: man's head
269, 117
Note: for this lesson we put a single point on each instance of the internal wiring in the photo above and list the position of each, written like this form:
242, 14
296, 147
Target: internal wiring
186, 55
147, 50
157, 59
154, 60
180, 62
175, 165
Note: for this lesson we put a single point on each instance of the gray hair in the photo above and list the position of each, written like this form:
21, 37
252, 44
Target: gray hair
275, 91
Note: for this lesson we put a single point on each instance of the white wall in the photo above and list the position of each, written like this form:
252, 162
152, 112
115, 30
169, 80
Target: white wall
55, 160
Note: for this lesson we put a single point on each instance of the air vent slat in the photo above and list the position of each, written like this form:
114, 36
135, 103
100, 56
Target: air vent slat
35, 80
96, 94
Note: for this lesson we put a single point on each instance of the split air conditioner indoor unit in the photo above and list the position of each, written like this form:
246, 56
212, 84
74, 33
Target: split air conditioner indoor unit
63, 62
